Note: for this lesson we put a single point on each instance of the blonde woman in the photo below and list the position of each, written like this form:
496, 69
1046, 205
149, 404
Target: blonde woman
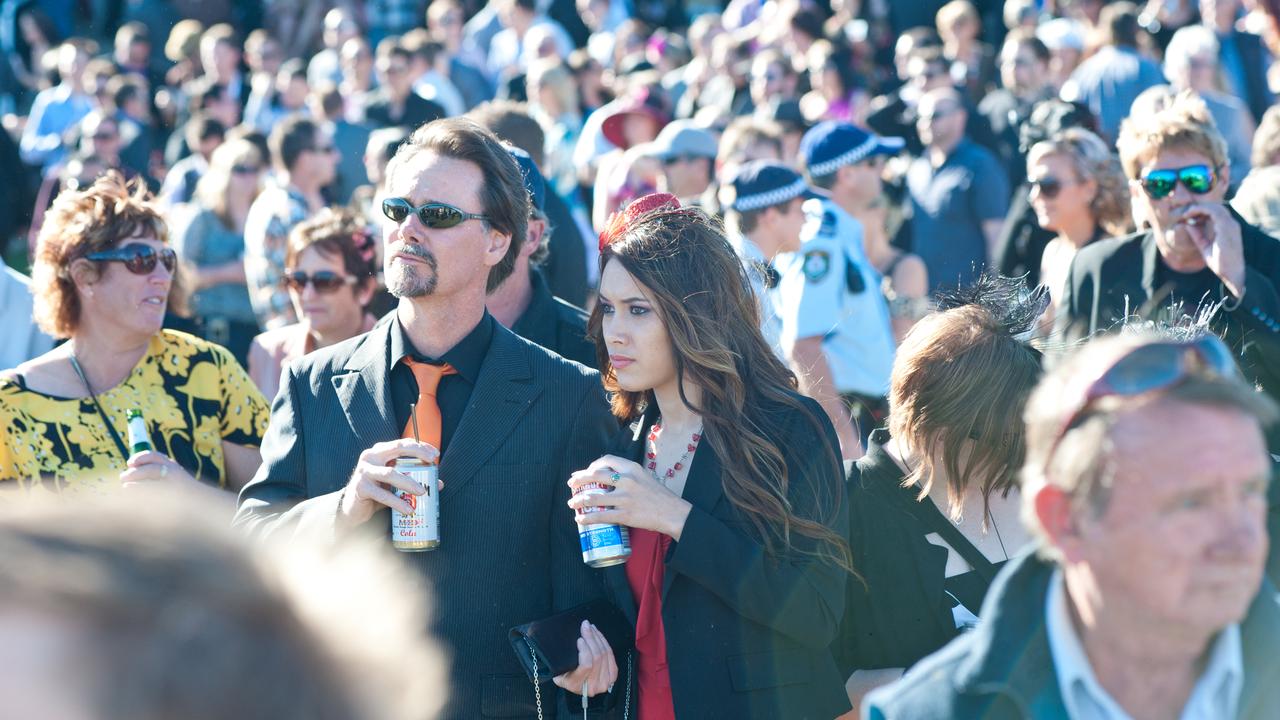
209, 238
1078, 191
553, 102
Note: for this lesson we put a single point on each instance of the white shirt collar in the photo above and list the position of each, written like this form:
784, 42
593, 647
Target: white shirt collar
1215, 695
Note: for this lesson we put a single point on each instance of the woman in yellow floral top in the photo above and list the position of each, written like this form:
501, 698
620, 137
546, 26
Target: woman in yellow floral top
103, 278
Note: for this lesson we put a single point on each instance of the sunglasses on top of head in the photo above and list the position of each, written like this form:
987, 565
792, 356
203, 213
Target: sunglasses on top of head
434, 215
1161, 183
138, 258
325, 281
1150, 368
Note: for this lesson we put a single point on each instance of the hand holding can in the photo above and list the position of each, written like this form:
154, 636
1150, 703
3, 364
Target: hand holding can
373, 480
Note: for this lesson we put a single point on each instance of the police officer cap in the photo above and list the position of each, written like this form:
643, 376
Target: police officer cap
831, 145
534, 183
761, 184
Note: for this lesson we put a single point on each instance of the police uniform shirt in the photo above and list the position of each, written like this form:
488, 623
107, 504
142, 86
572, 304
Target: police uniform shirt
828, 289
764, 282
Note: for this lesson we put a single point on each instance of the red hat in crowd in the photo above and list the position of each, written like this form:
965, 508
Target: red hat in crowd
647, 102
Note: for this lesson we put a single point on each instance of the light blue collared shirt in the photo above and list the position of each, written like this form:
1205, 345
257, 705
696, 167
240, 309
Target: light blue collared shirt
1215, 696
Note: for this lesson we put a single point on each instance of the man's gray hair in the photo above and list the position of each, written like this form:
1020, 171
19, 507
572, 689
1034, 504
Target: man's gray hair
1083, 463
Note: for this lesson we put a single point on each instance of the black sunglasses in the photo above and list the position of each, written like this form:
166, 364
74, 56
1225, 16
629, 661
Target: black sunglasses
1161, 183
245, 169
1048, 186
325, 281
138, 258
433, 215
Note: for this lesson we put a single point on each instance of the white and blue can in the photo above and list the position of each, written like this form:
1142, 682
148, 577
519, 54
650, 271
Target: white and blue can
602, 544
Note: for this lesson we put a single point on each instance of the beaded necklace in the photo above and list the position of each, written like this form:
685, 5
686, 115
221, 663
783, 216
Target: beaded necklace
651, 453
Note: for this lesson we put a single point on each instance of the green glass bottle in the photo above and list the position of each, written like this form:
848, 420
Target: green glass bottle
139, 441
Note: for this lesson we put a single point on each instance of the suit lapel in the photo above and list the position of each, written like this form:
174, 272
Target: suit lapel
1150, 266
703, 489
364, 390
503, 393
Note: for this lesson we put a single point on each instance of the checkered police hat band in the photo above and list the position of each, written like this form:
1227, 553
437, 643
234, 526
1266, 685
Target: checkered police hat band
847, 158
759, 201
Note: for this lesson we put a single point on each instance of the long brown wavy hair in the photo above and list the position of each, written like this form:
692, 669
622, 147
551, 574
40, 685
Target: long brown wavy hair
701, 291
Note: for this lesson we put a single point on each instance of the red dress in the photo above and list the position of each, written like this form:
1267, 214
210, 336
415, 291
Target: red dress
644, 575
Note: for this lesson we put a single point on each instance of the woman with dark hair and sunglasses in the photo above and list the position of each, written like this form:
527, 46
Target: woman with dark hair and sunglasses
105, 276
331, 274
1079, 192
729, 480
933, 505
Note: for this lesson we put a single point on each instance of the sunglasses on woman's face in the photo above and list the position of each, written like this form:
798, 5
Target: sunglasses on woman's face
434, 215
1160, 183
325, 281
1048, 186
138, 258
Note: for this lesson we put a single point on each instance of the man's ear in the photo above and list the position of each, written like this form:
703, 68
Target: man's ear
1058, 518
499, 244
537, 231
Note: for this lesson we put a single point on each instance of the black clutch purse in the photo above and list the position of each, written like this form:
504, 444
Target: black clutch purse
549, 647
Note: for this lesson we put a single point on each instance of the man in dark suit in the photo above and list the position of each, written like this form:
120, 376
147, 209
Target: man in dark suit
1197, 258
514, 421
523, 302
395, 103
1241, 55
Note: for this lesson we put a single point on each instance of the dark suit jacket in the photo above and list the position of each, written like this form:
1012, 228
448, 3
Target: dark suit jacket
417, 111
556, 325
897, 612
1003, 669
1109, 276
1253, 58
748, 635
509, 551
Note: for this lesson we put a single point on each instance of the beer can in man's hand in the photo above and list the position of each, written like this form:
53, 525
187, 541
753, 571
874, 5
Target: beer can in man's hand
602, 544
420, 529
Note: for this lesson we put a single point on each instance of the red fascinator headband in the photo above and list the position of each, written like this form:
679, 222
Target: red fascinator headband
620, 221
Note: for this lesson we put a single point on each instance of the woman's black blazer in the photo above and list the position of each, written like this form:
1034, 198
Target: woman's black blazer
898, 611
749, 634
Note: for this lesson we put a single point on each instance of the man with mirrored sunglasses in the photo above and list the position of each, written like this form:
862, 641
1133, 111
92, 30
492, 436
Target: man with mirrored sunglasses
441, 381
1145, 488
1196, 257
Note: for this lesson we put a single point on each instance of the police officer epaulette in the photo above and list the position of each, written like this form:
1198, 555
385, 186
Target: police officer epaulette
769, 274
829, 224
853, 277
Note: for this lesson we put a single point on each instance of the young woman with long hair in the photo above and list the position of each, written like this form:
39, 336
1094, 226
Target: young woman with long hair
729, 480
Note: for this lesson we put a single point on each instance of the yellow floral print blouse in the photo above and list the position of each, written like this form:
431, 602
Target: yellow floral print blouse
192, 393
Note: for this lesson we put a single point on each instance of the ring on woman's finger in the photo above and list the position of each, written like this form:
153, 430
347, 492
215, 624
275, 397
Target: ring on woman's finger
616, 476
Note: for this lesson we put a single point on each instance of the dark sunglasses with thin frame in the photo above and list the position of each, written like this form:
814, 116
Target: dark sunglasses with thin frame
138, 258
433, 214
325, 281
1048, 186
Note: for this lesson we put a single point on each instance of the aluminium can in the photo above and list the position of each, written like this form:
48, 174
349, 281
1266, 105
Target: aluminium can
419, 530
602, 544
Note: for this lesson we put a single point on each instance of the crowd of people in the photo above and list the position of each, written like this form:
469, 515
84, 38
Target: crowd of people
928, 350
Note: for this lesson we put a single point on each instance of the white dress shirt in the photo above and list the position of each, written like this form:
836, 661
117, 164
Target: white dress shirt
1215, 696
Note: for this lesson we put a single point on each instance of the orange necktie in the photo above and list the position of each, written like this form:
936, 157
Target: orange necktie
427, 410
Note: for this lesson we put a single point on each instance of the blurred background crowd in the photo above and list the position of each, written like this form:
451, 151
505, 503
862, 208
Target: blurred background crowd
249, 117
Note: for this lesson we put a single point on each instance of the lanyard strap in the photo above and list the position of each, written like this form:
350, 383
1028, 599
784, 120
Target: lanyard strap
124, 452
